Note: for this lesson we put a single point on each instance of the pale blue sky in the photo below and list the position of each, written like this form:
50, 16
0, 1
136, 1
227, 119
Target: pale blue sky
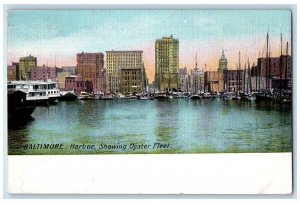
46, 33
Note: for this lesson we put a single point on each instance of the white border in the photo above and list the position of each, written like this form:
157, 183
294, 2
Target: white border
268, 173
136, 2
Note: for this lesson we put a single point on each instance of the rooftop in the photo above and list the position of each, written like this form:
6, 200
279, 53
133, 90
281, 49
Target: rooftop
123, 51
28, 57
30, 82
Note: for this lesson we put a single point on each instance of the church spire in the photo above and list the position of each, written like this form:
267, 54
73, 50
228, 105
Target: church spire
222, 62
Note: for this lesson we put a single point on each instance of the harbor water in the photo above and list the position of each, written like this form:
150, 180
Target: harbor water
126, 126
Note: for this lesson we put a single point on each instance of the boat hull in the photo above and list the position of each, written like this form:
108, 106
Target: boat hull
86, 98
52, 100
41, 102
68, 97
18, 107
161, 97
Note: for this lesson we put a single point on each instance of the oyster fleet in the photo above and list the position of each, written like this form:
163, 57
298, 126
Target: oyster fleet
24, 96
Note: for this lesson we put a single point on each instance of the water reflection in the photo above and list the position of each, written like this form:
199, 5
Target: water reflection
269, 106
167, 120
189, 126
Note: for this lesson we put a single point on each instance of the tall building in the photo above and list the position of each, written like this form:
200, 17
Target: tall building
167, 63
90, 67
197, 81
25, 66
124, 71
183, 80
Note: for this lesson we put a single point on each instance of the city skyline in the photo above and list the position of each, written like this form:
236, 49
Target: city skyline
55, 36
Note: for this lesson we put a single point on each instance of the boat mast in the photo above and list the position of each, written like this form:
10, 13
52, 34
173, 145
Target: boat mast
196, 70
280, 66
269, 71
239, 68
249, 77
244, 82
236, 85
286, 66
218, 82
204, 88
225, 79
256, 73
96, 81
211, 82
259, 70
97, 72
267, 60
256, 76
200, 81
82, 73
187, 82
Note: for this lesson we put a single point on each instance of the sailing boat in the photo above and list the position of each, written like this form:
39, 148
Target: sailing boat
237, 92
288, 97
248, 96
266, 96
283, 97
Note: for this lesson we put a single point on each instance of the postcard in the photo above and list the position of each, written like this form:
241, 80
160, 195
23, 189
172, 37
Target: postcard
114, 85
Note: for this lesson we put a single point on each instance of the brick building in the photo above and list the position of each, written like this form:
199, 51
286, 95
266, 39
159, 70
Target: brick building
90, 66
43, 73
76, 84
276, 72
13, 72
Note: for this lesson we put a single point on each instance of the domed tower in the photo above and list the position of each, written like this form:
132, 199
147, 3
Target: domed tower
222, 62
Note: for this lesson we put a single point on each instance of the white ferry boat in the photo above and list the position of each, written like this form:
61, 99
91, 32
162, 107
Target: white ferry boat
37, 92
